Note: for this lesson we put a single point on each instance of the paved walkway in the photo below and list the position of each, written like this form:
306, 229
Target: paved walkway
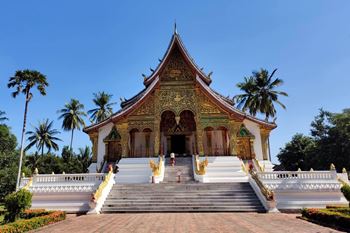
186, 222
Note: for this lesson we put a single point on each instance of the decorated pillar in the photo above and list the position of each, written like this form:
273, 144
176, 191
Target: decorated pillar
94, 141
156, 126
265, 134
123, 130
200, 147
234, 127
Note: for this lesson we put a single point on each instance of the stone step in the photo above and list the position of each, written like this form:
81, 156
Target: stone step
200, 185
181, 189
183, 209
178, 203
176, 200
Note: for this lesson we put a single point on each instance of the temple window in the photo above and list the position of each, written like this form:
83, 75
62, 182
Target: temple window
141, 144
215, 141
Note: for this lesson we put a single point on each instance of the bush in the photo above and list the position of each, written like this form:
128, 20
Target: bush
27, 214
24, 225
346, 191
337, 217
16, 203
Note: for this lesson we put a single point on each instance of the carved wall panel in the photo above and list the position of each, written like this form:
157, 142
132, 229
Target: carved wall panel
206, 106
140, 125
147, 108
176, 69
177, 100
214, 122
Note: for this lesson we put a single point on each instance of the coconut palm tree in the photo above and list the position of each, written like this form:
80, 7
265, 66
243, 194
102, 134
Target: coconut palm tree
3, 117
84, 157
43, 136
33, 161
104, 107
72, 115
260, 94
23, 81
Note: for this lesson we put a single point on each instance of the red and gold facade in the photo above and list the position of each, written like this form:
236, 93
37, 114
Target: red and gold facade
179, 112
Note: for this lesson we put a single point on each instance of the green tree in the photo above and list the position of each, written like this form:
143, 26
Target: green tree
8, 161
23, 81
297, 153
71, 161
33, 161
49, 163
329, 143
3, 117
332, 135
260, 94
72, 115
84, 157
104, 107
43, 136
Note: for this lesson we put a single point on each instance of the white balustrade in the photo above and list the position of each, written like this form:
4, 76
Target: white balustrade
300, 180
297, 175
68, 178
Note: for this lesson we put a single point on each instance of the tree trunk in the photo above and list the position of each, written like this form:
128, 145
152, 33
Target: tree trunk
22, 140
71, 140
42, 151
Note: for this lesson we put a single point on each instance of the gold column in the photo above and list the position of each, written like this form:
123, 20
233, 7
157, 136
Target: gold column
234, 128
200, 131
123, 130
157, 124
94, 141
264, 134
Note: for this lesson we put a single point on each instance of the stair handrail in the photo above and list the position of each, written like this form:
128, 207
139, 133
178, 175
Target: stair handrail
156, 168
269, 194
28, 184
100, 196
96, 195
200, 165
258, 165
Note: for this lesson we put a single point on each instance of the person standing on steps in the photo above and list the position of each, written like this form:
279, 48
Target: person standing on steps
172, 159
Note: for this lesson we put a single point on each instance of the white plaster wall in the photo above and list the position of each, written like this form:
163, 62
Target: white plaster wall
255, 130
102, 133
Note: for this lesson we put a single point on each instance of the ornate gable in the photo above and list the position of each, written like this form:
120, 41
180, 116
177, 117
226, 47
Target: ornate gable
176, 68
113, 135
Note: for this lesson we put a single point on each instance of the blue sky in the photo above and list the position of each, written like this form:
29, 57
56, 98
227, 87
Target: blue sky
89, 46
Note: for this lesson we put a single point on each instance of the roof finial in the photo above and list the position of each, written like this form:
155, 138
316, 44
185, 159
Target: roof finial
175, 29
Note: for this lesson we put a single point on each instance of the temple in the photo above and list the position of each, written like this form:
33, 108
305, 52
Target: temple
178, 112
222, 160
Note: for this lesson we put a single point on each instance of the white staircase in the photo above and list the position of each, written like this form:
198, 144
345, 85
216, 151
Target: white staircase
224, 169
134, 171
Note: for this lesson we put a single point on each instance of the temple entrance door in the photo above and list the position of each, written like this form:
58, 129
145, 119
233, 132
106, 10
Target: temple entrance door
178, 133
178, 144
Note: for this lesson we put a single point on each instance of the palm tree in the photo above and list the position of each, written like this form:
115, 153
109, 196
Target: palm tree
260, 94
85, 158
3, 117
104, 107
72, 114
43, 136
23, 81
33, 161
